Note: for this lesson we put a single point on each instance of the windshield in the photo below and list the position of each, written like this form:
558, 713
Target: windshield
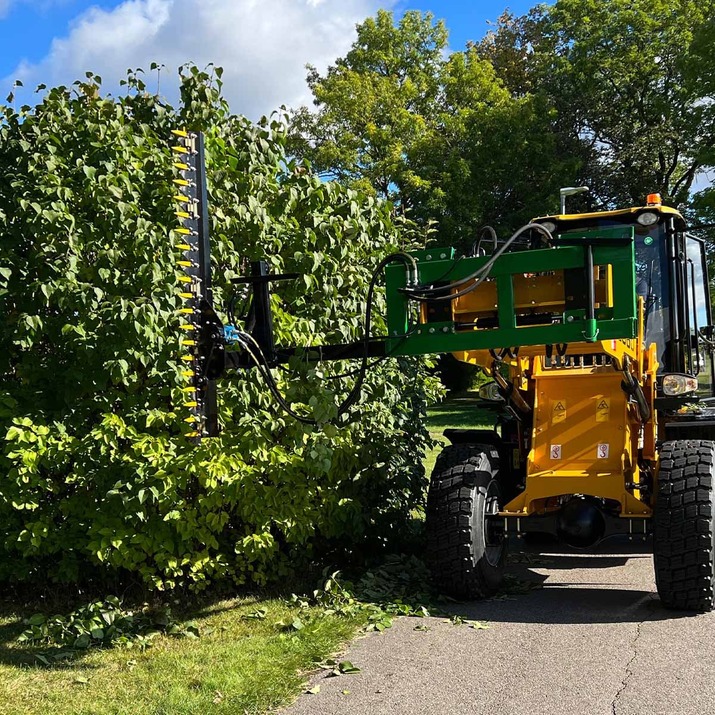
651, 281
652, 285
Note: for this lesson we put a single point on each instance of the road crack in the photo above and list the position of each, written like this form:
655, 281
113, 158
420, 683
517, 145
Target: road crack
629, 669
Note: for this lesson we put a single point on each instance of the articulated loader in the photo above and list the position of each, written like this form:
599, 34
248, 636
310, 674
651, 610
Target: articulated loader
596, 331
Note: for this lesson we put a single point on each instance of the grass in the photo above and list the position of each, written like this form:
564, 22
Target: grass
237, 666
464, 411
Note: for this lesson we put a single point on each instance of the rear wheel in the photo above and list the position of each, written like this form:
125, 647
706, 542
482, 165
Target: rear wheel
466, 549
684, 528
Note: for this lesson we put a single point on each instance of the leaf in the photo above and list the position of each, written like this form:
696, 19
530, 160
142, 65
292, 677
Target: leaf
259, 614
82, 641
81, 680
314, 690
346, 667
478, 625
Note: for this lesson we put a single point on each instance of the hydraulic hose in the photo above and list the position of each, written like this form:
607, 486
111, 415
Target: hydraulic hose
431, 293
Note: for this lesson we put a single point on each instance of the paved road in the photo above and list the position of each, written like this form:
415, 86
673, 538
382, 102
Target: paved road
593, 641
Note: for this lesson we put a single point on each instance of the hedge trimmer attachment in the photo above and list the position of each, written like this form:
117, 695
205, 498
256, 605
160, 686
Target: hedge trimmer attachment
198, 345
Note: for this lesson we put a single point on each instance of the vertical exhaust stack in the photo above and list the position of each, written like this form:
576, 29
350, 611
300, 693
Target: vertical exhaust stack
192, 240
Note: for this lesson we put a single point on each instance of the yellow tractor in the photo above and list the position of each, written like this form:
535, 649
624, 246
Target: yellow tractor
605, 434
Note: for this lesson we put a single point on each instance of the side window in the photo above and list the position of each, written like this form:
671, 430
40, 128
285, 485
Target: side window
699, 314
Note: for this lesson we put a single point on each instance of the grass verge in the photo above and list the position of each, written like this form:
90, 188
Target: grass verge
239, 665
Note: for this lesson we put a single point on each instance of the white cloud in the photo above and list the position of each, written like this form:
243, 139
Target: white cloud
263, 45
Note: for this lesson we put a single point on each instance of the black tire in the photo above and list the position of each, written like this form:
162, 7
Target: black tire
684, 529
466, 553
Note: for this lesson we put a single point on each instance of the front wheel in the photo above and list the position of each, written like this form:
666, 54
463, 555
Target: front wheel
466, 548
684, 528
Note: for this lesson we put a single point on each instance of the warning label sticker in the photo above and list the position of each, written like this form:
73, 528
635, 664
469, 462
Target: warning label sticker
555, 452
602, 451
558, 411
603, 409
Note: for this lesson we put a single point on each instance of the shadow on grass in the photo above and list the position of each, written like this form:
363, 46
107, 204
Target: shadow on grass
462, 411
22, 655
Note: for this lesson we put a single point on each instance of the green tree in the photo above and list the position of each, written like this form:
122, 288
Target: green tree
628, 80
437, 133
375, 104
96, 477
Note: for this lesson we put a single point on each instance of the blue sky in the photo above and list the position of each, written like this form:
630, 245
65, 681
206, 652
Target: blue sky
262, 44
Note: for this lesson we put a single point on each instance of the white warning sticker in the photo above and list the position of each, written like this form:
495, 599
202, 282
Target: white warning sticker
602, 451
555, 452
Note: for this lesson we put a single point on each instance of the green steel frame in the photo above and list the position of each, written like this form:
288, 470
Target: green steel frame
612, 247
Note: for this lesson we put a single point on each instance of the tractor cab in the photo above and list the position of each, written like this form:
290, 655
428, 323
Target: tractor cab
671, 278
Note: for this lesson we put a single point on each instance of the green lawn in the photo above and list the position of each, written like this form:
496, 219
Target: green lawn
236, 666
464, 411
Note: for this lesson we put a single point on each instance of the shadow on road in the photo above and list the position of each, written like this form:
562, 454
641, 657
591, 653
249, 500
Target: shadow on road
575, 588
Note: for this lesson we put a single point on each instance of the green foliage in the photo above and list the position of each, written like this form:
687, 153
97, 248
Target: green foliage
436, 132
397, 587
100, 624
96, 478
629, 84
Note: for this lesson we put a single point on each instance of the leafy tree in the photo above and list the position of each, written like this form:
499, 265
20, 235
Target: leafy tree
437, 133
96, 477
628, 80
375, 104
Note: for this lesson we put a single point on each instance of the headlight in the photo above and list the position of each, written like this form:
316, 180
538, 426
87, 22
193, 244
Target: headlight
647, 218
490, 392
679, 384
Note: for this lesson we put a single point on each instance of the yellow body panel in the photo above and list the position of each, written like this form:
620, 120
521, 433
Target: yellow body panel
584, 441
533, 293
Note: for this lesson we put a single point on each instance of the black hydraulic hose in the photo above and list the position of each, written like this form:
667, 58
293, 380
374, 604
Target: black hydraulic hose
354, 393
474, 251
427, 293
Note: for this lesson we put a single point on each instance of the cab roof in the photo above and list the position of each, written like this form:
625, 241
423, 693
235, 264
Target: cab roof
629, 215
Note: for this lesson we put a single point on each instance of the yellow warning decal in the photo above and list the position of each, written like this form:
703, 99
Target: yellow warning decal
558, 411
603, 409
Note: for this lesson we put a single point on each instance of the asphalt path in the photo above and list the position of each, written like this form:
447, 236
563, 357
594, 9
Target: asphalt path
591, 639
